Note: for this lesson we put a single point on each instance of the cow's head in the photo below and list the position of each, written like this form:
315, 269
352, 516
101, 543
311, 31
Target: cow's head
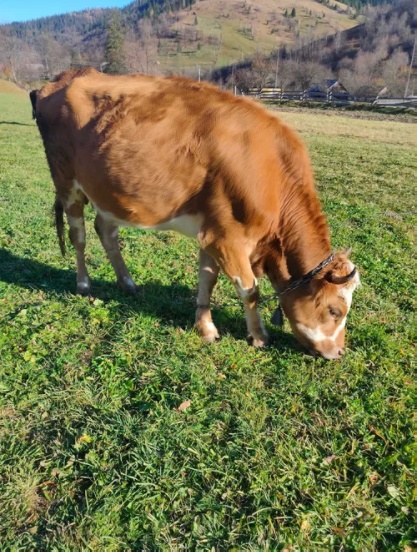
317, 310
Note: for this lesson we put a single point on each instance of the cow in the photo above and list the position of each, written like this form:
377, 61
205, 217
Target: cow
168, 153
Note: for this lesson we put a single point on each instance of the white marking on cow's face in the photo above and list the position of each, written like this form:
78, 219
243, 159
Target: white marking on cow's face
316, 335
346, 293
243, 292
346, 290
189, 225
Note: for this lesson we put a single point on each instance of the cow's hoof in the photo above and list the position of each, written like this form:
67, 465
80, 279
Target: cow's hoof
208, 332
260, 341
127, 285
83, 288
211, 338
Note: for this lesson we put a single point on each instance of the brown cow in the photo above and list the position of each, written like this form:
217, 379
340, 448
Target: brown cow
173, 154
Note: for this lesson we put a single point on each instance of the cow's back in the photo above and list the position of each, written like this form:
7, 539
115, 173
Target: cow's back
149, 148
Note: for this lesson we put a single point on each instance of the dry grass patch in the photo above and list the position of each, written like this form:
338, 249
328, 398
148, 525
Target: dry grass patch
7, 87
334, 125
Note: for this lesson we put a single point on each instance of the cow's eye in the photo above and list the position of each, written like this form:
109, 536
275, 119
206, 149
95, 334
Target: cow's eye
335, 312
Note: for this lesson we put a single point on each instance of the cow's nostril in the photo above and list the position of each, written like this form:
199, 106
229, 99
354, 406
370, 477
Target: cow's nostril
341, 352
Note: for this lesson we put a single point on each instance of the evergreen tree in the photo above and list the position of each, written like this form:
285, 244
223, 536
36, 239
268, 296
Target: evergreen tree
114, 51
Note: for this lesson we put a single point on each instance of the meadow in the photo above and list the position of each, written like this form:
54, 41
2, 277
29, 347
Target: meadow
120, 430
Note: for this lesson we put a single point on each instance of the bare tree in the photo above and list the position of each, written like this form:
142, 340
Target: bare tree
141, 49
285, 73
261, 73
54, 57
361, 76
15, 56
306, 73
394, 73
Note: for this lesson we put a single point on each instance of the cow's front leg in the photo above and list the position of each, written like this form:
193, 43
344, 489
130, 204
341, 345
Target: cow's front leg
250, 297
238, 268
207, 278
109, 237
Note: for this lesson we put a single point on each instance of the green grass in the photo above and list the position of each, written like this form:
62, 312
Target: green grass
277, 449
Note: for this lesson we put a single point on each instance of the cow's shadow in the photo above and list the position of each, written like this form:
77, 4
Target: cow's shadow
15, 123
173, 304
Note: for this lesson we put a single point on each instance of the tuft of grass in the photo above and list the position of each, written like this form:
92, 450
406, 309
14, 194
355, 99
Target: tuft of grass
276, 449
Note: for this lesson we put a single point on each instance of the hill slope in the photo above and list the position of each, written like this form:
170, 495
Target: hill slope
7, 87
207, 33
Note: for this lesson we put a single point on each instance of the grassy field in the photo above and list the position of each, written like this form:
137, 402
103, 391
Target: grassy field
276, 450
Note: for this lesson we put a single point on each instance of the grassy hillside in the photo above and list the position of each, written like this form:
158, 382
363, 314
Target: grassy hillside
245, 27
276, 449
7, 87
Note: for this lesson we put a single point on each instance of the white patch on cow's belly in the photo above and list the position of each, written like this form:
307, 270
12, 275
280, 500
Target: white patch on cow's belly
189, 225
315, 335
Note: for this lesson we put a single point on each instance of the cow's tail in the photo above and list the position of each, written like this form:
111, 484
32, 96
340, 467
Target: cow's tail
59, 223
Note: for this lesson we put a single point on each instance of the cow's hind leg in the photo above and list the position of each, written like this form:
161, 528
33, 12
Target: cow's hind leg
74, 209
207, 278
109, 234
238, 269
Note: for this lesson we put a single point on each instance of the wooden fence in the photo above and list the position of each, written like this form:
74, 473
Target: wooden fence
335, 98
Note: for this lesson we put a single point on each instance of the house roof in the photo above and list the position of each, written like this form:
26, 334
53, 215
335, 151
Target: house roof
327, 85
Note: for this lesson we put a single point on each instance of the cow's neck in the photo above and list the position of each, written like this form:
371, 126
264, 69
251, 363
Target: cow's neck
305, 237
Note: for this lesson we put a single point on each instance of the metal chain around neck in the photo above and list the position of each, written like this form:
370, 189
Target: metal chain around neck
307, 277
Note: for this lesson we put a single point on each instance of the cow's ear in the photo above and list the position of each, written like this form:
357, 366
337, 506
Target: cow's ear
33, 94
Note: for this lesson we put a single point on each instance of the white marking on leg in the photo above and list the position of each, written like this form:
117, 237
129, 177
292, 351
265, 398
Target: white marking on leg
210, 327
83, 284
74, 194
76, 222
209, 269
128, 282
244, 292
